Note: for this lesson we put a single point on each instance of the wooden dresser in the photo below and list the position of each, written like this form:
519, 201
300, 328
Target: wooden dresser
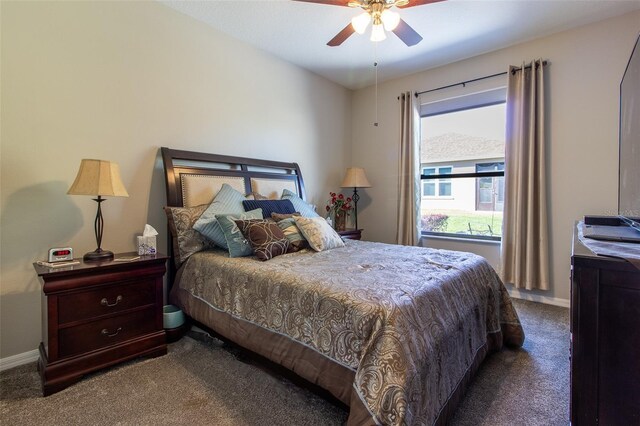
605, 339
98, 314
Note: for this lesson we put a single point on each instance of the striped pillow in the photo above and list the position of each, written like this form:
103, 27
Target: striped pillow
226, 201
269, 206
293, 234
299, 204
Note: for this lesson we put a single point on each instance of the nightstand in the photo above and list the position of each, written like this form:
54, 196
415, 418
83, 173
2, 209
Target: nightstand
99, 314
351, 234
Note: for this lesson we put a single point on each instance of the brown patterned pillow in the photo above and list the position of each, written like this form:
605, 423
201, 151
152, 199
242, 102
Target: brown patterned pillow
266, 238
186, 240
281, 216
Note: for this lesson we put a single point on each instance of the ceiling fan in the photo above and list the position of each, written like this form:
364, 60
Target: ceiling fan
379, 13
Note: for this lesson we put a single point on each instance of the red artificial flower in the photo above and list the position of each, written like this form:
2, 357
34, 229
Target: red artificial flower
339, 203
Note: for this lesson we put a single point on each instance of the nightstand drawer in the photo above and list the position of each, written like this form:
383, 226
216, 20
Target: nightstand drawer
107, 300
106, 332
98, 314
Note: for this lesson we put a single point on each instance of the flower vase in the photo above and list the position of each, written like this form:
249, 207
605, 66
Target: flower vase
340, 220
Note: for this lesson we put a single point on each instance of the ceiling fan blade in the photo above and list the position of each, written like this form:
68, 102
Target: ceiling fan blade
413, 3
327, 2
407, 34
341, 36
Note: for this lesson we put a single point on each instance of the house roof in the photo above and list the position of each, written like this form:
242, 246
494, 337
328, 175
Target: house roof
450, 147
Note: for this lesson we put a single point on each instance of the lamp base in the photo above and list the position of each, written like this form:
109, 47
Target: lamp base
98, 255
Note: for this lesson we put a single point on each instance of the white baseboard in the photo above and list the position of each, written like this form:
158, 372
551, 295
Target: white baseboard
556, 301
19, 359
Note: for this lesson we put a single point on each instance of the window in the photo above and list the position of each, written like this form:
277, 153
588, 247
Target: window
428, 186
437, 187
490, 190
462, 164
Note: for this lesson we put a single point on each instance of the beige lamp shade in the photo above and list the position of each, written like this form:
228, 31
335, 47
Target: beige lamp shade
98, 177
355, 178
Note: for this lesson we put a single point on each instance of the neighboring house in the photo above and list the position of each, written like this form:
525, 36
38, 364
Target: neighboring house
458, 153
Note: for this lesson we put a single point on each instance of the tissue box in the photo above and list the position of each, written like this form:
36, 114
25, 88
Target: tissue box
147, 245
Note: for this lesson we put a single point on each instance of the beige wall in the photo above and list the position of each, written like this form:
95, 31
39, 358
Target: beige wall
116, 81
587, 64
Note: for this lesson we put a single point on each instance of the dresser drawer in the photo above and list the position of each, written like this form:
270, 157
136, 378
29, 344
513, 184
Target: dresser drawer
106, 300
106, 332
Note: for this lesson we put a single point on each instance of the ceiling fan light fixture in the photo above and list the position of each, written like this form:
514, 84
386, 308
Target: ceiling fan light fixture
361, 22
390, 19
377, 33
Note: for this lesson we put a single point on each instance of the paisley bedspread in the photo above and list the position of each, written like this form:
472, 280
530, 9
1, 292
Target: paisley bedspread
408, 321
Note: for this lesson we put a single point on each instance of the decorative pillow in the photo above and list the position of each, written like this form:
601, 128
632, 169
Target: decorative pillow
319, 233
279, 216
291, 231
269, 206
226, 201
257, 196
186, 240
299, 204
266, 238
238, 244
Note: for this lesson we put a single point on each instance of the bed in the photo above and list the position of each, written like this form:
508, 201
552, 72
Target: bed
394, 332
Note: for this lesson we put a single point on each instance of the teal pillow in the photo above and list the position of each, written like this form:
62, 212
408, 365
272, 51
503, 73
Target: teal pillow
226, 201
299, 204
237, 243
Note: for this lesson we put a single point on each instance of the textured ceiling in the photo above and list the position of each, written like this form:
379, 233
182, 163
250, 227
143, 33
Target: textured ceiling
452, 30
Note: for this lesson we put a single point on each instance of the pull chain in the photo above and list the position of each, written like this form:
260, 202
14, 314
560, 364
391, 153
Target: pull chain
375, 68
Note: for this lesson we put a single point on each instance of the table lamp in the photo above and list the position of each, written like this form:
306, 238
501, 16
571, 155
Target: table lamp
99, 178
355, 178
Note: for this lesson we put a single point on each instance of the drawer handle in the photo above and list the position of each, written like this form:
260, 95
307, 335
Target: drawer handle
105, 332
105, 302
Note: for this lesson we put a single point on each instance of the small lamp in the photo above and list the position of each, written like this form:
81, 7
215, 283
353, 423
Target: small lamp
355, 178
101, 178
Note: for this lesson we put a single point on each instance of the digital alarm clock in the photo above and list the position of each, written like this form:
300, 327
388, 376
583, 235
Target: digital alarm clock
60, 254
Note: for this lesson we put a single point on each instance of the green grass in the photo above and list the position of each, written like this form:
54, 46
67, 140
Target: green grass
482, 223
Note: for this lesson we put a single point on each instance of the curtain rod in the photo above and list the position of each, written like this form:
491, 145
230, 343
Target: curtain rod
463, 83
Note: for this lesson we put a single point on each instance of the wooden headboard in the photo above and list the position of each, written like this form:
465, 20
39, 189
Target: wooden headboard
194, 178
183, 167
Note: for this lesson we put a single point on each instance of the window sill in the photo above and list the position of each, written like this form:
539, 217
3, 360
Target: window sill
462, 240
438, 197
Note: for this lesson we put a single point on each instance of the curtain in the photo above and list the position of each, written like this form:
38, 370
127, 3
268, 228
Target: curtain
408, 230
525, 257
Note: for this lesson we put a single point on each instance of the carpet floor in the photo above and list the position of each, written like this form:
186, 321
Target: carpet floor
204, 382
